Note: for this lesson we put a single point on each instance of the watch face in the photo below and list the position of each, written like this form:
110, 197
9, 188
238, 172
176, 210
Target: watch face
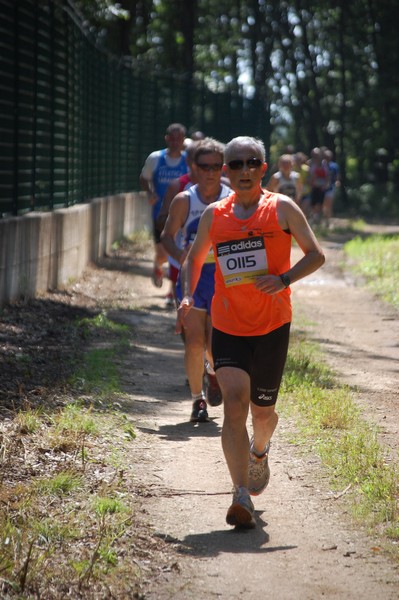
285, 279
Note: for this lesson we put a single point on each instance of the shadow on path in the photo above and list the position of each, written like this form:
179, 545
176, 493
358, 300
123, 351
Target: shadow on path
184, 431
213, 543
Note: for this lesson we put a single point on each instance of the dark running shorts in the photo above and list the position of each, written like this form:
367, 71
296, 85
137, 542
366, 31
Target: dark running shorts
156, 232
316, 196
261, 356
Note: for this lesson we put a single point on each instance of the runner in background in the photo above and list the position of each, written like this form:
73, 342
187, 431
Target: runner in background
302, 167
318, 184
160, 168
184, 215
195, 136
333, 182
286, 180
177, 185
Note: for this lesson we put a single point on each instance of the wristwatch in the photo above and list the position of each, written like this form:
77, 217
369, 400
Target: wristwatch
285, 279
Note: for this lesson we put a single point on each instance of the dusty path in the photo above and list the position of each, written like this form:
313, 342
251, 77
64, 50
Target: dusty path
304, 546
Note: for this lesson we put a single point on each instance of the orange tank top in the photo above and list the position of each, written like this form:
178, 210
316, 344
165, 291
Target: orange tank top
244, 250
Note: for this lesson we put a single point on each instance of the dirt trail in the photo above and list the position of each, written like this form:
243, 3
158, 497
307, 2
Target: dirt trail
304, 546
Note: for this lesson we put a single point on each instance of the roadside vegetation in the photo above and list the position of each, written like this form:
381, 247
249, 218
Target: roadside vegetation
71, 522
376, 260
330, 424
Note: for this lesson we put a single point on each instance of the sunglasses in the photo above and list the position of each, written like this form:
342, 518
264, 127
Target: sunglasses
208, 167
251, 163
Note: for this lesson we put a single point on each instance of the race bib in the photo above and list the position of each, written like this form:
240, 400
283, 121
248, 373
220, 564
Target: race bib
242, 261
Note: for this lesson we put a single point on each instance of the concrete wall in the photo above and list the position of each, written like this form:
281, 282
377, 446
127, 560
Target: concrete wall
42, 251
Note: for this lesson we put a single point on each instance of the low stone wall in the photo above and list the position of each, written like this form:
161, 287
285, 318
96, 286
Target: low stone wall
42, 251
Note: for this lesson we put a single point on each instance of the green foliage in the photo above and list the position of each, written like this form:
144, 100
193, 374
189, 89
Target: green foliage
99, 373
52, 534
75, 418
49, 531
327, 74
302, 368
28, 421
374, 200
347, 445
101, 321
377, 260
62, 483
47, 520
105, 505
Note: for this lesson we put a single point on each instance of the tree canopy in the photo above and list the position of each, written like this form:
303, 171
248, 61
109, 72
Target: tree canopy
326, 72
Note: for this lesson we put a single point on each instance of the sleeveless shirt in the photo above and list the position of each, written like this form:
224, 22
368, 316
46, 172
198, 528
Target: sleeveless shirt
195, 210
162, 176
184, 184
245, 249
287, 185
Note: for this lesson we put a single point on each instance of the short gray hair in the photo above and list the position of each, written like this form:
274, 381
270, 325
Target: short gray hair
244, 141
208, 146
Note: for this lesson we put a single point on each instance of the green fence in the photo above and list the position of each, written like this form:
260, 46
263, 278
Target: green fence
76, 123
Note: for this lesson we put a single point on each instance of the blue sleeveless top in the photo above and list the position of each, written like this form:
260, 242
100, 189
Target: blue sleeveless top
163, 175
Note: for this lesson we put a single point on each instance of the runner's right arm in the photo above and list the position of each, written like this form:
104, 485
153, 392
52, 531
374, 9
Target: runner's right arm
176, 218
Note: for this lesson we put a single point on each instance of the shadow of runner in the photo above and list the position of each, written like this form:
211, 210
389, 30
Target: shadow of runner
213, 543
184, 431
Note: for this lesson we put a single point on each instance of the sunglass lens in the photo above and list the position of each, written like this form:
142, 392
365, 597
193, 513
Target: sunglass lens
254, 163
251, 163
235, 165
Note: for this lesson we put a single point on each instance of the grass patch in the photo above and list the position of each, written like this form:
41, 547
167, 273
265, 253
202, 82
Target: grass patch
102, 322
61, 483
67, 491
376, 259
28, 421
68, 524
49, 532
328, 418
76, 418
98, 374
104, 506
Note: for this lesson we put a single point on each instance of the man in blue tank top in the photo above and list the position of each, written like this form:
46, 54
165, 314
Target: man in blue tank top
160, 168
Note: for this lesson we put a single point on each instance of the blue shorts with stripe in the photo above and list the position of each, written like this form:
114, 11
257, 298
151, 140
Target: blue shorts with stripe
204, 291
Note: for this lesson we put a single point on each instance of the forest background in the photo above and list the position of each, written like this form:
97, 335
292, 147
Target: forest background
326, 72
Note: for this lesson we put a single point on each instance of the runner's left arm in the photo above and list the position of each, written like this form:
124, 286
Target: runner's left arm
193, 264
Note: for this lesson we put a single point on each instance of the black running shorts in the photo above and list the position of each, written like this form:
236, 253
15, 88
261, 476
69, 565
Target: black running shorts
156, 232
316, 196
261, 356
